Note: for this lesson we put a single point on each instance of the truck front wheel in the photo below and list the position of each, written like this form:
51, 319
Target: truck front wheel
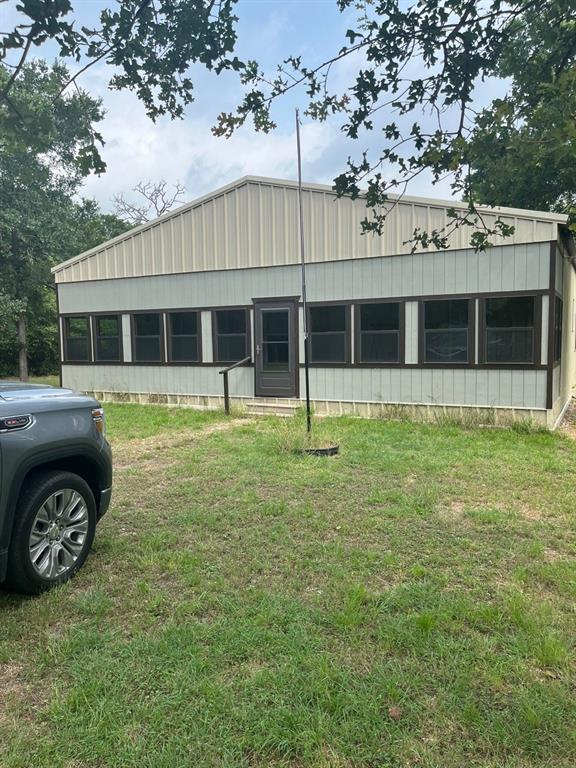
54, 528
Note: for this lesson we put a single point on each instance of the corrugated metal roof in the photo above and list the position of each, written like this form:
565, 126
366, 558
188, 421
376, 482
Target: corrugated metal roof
253, 222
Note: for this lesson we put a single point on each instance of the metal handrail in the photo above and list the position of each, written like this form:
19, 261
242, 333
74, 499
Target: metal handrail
225, 372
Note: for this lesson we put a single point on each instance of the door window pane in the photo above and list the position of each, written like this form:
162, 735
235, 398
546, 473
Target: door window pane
446, 331
510, 329
275, 340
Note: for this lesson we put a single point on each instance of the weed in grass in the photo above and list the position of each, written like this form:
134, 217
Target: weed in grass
291, 436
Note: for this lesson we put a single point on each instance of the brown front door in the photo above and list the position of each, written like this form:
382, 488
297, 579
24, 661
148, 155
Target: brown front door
276, 348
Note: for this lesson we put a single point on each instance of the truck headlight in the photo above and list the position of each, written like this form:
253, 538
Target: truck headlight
99, 420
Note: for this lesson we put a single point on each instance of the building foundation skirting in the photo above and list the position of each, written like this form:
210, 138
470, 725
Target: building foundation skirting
417, 412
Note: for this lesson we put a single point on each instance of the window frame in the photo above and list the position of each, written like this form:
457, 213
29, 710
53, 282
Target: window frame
358, 363
482, 331
347, 362
248, 341
94, 330
169, 336
471, 341
65, 322
133, 315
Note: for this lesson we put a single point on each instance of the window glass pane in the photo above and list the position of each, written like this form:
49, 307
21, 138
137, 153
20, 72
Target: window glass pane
147, 325
231, 348
77, 326
107, 326
446, 314
446, 346
509, 345
510, 329
510, 312
184, 348
184, 323
379, 317
231, 321
77, 342
328, 347
108, 348
325, 319
77, 349
380, 347
446, 331
147, 349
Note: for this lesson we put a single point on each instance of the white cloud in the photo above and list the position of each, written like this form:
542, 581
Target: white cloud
185, 150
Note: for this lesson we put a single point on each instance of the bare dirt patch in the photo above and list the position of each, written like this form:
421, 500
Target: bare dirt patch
568, 426
143, 453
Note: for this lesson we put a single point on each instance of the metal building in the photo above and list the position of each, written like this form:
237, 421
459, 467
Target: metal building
155, 314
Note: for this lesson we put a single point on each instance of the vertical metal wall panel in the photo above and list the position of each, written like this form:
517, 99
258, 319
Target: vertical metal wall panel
157, 379
207, 353
472, 387
411, 331
556, 383
559, 272
126, 338
368, 278
255, 223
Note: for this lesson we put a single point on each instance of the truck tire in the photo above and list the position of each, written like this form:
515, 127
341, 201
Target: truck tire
54, 525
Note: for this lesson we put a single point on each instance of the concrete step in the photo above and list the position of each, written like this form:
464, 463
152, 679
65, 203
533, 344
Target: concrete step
268, 408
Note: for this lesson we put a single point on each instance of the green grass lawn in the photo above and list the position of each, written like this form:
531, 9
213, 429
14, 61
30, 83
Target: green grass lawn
409, 602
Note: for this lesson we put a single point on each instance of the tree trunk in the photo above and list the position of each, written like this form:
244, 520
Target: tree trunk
23, 347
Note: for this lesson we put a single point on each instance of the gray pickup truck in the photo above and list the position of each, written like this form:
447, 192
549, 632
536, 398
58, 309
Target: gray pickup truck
55, 483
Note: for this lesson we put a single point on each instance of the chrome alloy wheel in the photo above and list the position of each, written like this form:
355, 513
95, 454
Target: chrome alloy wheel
58, 533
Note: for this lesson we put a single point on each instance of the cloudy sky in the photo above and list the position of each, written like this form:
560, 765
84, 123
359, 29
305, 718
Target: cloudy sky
137, 149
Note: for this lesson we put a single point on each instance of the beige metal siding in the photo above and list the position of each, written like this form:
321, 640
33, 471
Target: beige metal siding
254, 223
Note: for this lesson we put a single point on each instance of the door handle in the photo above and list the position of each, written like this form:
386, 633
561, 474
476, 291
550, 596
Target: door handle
258, 349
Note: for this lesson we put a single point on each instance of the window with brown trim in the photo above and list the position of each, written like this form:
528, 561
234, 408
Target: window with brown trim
328, 327
558, 312
378, 333
446, 336
184, 337
148, 338
77, 339
107, 338
231, 338
510, 329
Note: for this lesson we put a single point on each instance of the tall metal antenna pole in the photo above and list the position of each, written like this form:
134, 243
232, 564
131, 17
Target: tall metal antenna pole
303, 271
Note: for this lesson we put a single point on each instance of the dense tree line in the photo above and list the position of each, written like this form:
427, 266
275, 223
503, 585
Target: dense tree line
41, 220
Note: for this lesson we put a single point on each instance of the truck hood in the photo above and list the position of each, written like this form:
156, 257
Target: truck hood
16, 397
16, 390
